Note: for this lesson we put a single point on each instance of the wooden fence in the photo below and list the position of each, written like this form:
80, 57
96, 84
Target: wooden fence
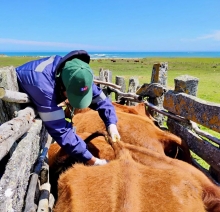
180, 109
24, 142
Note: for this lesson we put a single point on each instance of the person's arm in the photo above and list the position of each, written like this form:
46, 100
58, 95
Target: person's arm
53, 118
62, 133
106, 111
103, 105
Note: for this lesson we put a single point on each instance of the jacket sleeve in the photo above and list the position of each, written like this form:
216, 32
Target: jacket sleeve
103, 105
55, 123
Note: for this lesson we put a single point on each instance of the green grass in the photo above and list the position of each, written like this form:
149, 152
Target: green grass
207, 70
14, 61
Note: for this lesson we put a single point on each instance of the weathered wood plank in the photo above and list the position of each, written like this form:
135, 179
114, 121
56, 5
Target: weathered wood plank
152, 90
159, 75
107, 83
44, 198
13, 96
8, 80
121, 82
3, 113
186, 84
105, 76
193, 108
198, 166
131, 96
133, 84
132, 87
199, 146
15, 180
43, 204
204, 134
30, 203
14, 129
44, 173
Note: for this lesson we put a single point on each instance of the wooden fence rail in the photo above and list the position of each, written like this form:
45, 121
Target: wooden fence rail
183, 110
26, 142
22, 139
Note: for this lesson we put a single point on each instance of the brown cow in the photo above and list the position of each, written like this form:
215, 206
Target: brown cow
96, 144
59, 160
145, 134
136, 127
158, 183
139, 109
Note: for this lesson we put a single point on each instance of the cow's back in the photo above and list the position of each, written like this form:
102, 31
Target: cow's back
124, 185
134, 129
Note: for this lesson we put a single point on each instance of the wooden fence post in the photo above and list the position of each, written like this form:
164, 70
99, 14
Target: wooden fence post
184, 84
133, 85
8, 80
159, 75
105, 76
188, 84
14, 181
120, 81
215, 174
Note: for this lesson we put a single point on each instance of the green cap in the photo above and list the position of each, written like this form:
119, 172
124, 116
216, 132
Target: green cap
77, 78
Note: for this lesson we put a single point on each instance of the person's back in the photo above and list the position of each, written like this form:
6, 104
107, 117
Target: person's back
39, 79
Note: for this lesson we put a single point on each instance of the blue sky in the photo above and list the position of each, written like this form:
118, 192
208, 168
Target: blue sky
110, 25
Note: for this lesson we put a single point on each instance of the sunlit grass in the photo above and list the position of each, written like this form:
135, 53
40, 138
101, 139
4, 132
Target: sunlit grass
207, 70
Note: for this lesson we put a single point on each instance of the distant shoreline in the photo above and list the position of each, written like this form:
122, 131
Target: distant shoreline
1, 55
119, 55
113, 58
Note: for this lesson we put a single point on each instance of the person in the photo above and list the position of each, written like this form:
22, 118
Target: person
51, 80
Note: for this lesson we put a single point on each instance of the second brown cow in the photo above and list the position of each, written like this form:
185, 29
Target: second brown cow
156, 183
135, 127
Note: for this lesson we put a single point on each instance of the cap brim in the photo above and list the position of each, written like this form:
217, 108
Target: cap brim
80, 102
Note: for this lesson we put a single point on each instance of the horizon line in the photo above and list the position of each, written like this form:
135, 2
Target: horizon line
116, 51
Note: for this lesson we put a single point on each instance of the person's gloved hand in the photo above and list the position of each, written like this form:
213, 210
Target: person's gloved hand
100, 162
113, 132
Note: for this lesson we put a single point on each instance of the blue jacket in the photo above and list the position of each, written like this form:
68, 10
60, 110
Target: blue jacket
37, 79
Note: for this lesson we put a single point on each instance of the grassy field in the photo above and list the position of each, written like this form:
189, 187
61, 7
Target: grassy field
207, 70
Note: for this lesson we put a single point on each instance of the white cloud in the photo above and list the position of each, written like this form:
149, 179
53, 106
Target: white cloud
214, 36
50, 44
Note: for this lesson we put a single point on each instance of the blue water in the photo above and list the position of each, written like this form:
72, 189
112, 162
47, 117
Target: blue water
97, 55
